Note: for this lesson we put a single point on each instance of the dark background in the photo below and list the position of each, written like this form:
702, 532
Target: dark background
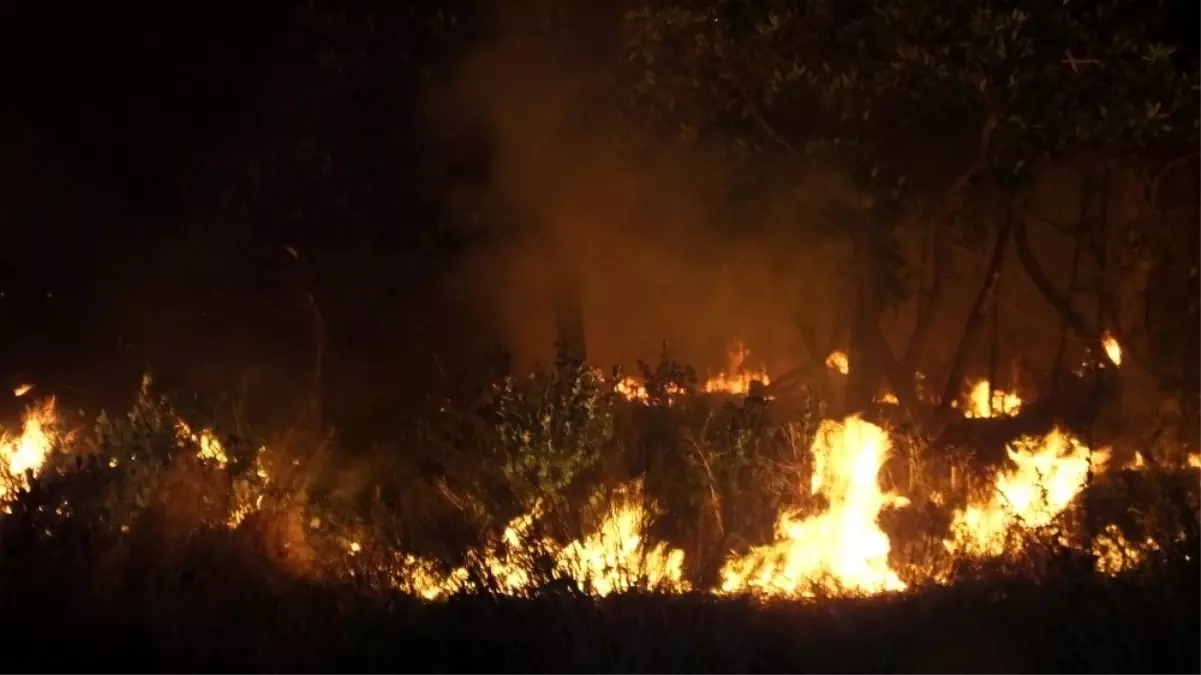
156, 159
136, 233
107, 110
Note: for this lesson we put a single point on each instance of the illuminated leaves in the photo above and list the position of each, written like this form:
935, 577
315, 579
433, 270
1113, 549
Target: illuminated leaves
1060, 76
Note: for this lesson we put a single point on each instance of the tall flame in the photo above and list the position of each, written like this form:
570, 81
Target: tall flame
842, 549
28, 451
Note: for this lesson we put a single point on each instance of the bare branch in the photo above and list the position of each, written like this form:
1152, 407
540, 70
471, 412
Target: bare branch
1153, 189
1046, 287
972, 325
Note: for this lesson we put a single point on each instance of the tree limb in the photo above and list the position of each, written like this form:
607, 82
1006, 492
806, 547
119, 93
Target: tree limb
945, 220
977, 162
927, 310
1153, 189
1047, 288
972, 324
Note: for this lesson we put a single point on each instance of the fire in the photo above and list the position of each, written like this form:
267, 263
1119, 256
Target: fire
981, 405
1112, 348
837, 549
1051, 471
28, 451
738, 380
210, 447
631, 389
22, 389
842, 549
1116, 554
839, 361
613, 558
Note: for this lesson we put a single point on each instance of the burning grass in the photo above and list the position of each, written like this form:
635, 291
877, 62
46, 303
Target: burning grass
580, 485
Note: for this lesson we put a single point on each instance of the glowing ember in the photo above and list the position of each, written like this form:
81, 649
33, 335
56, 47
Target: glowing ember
1116, 554
22, 389
1112, 348
839, 361
210, 447
631, 389
838, 551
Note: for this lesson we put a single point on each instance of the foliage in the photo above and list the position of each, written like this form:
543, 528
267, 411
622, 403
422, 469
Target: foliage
552, 427
837, 81
138, 516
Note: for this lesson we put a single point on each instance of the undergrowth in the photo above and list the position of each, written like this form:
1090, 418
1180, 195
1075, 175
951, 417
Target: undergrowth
150, 552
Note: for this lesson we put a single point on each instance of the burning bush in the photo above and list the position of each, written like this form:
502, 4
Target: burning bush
560, 485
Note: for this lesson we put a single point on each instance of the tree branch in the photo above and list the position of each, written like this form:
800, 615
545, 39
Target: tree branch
927, 310
972, 325
949, 213
1153, 189
854, 199
1047, 288
977, 162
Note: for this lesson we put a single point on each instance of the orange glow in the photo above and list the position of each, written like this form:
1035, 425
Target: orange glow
839, 361
841, 550
1112, 348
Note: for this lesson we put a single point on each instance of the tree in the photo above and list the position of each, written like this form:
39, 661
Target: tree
331, 187
908, 110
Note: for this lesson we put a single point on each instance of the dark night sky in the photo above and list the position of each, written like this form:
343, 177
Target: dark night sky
107, 109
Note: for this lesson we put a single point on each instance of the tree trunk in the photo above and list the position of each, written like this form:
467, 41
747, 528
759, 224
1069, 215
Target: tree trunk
1191, 377
569, 309
865, 363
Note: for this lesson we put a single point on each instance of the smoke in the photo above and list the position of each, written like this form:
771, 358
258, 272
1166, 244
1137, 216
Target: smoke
658, 254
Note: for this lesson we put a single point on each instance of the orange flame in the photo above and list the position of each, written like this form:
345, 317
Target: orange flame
28, 451
842, 549
1112, 348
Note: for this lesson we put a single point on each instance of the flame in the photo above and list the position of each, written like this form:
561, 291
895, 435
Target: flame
613, 558
1003, 403
839, 361
1051, 471
22, 389
28, 451
839, 549
1112, 348
842, 549
1116, 554
739, 378
211, 447
631, 389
